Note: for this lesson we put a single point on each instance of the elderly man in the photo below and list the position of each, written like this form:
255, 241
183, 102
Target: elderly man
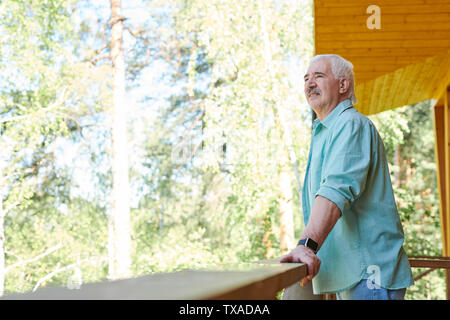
353, 232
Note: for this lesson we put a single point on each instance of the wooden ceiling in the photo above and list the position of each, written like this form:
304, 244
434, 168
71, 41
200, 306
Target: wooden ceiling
406, 61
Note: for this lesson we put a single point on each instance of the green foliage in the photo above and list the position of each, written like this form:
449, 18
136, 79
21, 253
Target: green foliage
211, 157
44, 101
78, 231
408, 135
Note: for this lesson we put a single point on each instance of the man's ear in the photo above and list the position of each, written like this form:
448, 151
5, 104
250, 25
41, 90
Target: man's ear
344, 85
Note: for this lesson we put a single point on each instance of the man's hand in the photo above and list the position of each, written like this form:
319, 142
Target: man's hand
305, 255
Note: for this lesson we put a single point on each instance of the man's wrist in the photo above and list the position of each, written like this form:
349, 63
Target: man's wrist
309, 243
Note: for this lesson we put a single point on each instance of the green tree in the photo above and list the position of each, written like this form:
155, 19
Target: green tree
228, 125
252, 49
47, 95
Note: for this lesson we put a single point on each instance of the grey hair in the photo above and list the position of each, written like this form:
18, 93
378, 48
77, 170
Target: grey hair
342, 69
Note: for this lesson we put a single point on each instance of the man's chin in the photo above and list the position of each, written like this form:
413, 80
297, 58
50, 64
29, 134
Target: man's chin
314, 103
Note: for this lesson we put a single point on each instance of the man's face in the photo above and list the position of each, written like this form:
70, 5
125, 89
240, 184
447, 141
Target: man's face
321, 88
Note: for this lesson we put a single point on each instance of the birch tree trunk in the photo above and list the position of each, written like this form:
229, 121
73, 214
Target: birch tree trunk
120, 259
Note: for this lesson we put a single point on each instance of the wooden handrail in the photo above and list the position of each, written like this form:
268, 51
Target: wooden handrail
260, 280
250, 281
429, 257
429, 262
433, 263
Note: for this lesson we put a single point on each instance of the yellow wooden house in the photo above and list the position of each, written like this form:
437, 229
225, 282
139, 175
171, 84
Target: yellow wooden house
400, 50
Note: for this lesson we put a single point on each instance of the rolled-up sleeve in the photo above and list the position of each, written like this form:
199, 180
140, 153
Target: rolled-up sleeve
346, 166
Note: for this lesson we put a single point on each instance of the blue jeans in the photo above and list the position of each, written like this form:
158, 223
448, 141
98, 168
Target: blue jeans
362, 291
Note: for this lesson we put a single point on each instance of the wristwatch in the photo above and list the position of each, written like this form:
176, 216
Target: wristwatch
310, 243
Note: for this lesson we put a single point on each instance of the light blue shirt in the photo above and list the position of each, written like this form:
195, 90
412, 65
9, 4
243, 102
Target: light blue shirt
347, 165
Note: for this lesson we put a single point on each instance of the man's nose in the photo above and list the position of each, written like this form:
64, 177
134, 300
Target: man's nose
310, 83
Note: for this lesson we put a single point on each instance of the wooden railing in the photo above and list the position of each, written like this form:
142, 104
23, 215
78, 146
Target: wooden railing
432, 263
262, 280
250, 281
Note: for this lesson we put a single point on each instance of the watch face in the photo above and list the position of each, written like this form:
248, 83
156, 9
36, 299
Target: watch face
311, 244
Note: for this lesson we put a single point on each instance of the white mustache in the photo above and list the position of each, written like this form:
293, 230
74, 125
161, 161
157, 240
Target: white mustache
313, 90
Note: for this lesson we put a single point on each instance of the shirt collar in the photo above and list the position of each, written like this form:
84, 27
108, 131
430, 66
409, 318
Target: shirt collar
334, 114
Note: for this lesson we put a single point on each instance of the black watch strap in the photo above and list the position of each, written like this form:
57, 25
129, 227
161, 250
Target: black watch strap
310, 243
